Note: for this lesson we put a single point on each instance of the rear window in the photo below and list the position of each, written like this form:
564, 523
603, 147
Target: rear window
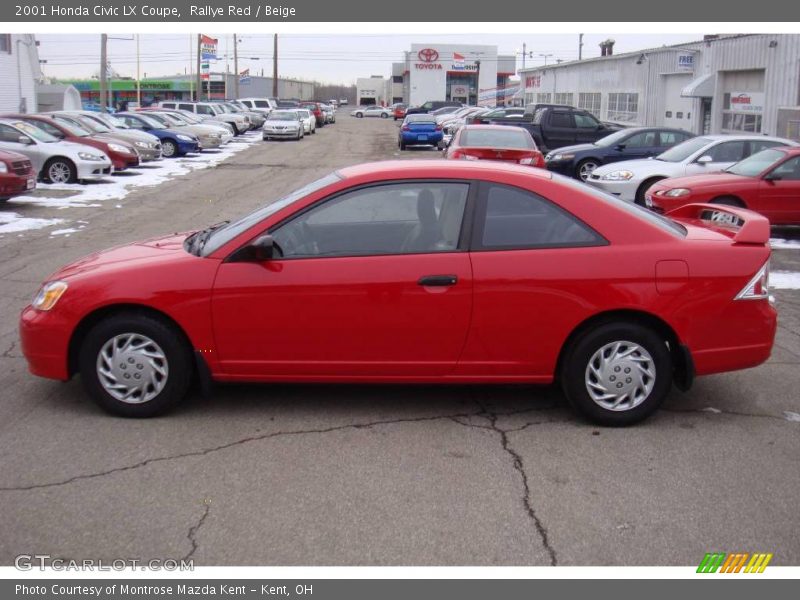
486, 138
420, 118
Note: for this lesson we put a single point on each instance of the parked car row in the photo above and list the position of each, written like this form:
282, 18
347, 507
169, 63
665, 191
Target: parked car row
295, 123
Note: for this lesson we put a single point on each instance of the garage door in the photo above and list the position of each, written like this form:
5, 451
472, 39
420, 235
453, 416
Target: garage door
677, 110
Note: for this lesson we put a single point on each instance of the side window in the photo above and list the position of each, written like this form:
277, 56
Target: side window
516, 219
401, 218
727, 152
790, 170
47, 127
670, 138
584, 121
134, 123
645, 139
168, 104
561, 119
759, 145
188, 107
9, 134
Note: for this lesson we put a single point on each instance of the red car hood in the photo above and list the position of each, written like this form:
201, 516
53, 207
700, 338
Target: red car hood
706, 181
163, 248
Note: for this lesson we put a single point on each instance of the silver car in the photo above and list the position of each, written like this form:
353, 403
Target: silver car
372, 111
147, 146
239, 123
55, 161
308, 118
286, 124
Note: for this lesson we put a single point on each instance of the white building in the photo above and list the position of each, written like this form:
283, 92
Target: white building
19, 72
371, 90
720, 84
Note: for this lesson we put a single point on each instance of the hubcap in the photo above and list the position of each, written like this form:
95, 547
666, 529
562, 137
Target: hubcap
59, 172
586, 170
168, 149
132, 368
620, 376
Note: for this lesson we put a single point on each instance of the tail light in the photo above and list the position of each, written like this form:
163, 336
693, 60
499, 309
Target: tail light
758, 287
406, 128
438, 128
528, 160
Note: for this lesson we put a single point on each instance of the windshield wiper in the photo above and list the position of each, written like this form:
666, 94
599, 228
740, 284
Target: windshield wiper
199, 239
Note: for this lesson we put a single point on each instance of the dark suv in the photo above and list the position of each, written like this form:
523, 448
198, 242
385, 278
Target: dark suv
430, 106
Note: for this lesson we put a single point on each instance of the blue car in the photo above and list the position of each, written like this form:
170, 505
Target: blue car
627, 144
420, 130
174, 143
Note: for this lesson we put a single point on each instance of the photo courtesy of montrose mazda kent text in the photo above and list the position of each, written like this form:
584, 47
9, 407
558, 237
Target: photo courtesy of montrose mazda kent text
419, 271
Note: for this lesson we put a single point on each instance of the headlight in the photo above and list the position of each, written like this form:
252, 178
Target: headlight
90, 156
676, 193
215, 136
143, 145
3, 167
49, 295
184, 138
617, 176
562, 157
118, 148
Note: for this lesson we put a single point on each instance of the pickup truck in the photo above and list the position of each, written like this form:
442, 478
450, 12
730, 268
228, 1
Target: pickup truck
554, 126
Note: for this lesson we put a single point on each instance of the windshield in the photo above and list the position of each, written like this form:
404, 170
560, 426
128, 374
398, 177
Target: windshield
74, 129
225, 234
173, 119
283, 116
757, 164
38, 134
614, 138
421, 118
488, 138
111, 120
92, 124
187, 117
683, 150
149, 121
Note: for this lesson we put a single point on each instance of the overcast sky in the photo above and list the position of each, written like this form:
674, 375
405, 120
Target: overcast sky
321, 57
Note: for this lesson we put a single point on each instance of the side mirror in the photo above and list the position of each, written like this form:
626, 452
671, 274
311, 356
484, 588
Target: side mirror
704, 160
620, 147
263, 248
600, 127
772, 176
24, 139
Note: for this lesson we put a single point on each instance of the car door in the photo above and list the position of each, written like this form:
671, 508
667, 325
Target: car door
559, 130
586, 128
722, 155
372, 282
534, 265
9, 140
779, 193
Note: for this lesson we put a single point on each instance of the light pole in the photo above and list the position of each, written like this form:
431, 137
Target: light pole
477, 83
545, 56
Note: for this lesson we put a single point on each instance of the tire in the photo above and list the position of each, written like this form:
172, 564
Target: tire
640, 396
169, 149
643, 187
60, 170
384, 116
171, 373
729, 201
585, 168
359, 115
402, 146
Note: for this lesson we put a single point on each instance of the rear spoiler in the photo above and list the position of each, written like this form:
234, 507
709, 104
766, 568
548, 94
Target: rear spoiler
750, 227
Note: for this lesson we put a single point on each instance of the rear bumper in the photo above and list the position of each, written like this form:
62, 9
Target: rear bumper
44, 340
422, 138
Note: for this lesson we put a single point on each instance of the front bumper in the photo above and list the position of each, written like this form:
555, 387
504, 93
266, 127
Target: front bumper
622, 189
44, 340
187, 147
94, 169
124, 161
283, 133
148, 154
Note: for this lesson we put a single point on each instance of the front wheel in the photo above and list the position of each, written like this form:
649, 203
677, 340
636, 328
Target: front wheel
643, 189
586, 168
617, 373
60, 170
359, 115
169, 149
384, 116
135, 365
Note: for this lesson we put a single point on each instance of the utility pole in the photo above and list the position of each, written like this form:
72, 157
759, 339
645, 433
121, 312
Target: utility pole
524, 52
103, 67
580, 46
199, 76
477, 83
275, 66
235, 66
138, 79
191, 73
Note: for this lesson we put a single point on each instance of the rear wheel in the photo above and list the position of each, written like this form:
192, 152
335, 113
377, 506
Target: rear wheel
60, 170
384, 116
585, 168
402, 145
617, 374
135, 365
646, 185
359, 115
169, 149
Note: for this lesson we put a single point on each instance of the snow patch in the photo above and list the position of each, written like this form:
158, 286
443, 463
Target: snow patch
784, 244
11, 222
791, 416
784, 280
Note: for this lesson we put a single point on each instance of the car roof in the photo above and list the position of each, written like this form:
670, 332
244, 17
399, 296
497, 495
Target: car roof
494, 128
406, 169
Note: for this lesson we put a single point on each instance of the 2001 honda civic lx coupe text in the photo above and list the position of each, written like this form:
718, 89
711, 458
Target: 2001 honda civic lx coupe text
424, 272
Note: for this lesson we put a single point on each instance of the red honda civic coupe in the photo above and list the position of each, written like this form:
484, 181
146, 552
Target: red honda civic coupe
419, 272
767, 182
494, 142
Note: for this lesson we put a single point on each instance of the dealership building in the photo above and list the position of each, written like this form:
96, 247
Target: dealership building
721, 84
462, 73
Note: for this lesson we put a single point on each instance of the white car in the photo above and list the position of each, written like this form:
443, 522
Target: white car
53, 160
286, 124
630, 179
372, 111
308, 118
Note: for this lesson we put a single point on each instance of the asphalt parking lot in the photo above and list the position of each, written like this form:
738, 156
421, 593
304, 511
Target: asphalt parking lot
394, 475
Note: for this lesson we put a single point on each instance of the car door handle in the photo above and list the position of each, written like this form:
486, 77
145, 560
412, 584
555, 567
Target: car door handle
438, 280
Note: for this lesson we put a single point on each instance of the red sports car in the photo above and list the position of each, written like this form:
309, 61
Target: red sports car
418, 271
494, 142
16, 175
122, 154
767, 182
399, 111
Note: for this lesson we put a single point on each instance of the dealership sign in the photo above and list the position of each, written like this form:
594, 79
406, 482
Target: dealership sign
459, 63
685, 62
533, 81
459, 91
208, 48
747, 102
428, 59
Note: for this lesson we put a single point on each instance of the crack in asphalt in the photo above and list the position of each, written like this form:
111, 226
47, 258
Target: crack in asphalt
717, 411
518, 466
195, 528
7, 353
239, 442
